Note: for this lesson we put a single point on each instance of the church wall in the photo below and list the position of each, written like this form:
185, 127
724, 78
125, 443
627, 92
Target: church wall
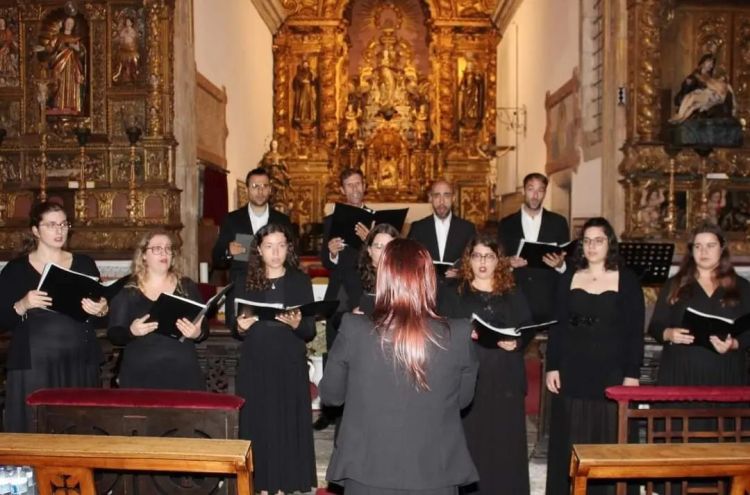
233, 49
537, 54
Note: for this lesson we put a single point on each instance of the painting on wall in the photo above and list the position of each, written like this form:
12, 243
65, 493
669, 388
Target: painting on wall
563, 132
242, 197
729, 208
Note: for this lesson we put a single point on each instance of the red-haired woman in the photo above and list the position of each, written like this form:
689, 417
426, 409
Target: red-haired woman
496, 417
404, 374
706, 281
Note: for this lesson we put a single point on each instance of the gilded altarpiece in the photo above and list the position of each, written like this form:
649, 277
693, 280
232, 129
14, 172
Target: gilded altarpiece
75, 77
668, 191
401, 89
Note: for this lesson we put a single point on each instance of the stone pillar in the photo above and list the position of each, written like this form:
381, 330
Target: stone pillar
186, 160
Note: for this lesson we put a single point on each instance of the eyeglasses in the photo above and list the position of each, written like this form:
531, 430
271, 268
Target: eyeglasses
594, 241
257, 186
56, 226
487, 257
160, 249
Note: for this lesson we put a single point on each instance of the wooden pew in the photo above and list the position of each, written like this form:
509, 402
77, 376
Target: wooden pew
67, 461
652, 461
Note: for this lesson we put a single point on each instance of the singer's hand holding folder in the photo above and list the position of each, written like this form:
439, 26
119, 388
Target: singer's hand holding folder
168, 308
67, 288
534, 252
703, 325
345, 217
443, 266
269, 311
489, 335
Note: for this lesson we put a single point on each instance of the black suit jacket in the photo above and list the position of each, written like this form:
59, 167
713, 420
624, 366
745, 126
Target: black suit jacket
343, 274
459, 234
238, 222
391, 435
538, 284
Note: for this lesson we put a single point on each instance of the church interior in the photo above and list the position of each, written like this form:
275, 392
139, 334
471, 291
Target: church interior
144, 114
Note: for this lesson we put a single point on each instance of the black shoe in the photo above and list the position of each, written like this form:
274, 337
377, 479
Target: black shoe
321, 423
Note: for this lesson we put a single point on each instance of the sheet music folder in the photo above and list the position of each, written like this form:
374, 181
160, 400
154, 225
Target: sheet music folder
269, 311
703, 325
534, 252
651, 261
489, 335
345, 217
168, 308
67, 288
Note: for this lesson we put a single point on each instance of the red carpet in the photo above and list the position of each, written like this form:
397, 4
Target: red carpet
534, 380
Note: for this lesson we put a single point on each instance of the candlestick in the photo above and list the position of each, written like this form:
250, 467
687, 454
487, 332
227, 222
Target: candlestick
82, 135
134, 134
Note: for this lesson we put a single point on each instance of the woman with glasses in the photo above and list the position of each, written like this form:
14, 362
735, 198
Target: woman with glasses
363, 297
152, 359
597, 342
496, 416
273, 373
47, 349
403, 375
707, 282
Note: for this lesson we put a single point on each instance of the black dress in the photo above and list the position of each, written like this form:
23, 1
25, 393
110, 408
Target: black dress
597, 342
274, 381
495, 422
154, 360
47, 349
696, 365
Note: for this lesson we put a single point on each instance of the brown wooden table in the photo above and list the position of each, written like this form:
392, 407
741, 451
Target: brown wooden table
650, 461
68, 461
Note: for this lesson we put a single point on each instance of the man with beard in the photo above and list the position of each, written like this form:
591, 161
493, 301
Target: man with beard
245, 220
341, 260
534, 223
443, 234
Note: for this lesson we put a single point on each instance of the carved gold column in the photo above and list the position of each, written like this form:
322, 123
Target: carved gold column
490, 104
645, 73
281, 103
327, 78
154, 102
671, 220
442, 68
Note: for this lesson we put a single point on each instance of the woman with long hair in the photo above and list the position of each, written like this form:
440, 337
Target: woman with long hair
273, 373
707, 282
404, 374
597, 342
47, 349
153, 359
369, 257
497, 415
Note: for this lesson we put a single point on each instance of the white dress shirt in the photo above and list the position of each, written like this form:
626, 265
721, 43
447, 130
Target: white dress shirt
258, 221
442, 226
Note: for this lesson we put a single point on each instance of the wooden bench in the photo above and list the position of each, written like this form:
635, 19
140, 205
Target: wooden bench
66, 462
660, 461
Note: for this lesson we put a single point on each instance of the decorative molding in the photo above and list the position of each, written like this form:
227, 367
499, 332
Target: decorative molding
503, 14
272, 13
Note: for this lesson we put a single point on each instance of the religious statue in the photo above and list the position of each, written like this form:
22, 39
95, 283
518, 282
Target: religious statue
471, 98
65, 55
702, 94
650, 215
128, 56
421, 123
8, 51
351, 129
305, 85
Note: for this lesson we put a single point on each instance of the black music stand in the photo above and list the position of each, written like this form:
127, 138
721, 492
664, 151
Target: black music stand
651, 261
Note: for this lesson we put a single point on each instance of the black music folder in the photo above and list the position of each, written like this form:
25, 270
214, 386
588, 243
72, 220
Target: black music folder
67, 288
168, 308
534, 252
651, 261
345, 217
442, 266
703, 325
269, 311
489, 335
245, 240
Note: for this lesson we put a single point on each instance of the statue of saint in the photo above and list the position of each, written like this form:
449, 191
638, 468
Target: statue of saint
8, 51
351, 131
421, 122
305, 85
703, 94
471, 98
66, 63
128, 56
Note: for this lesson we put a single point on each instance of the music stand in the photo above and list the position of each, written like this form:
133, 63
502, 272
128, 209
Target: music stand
651, 261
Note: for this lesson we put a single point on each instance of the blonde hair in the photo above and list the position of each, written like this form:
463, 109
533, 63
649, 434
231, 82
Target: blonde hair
138, 269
